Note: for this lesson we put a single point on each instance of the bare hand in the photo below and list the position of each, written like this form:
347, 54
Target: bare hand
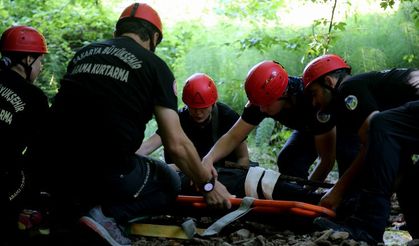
219, 197
174, 167
331, 199
209, 164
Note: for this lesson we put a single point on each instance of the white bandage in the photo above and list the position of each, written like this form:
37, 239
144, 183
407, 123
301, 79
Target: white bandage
268, 183
252, 180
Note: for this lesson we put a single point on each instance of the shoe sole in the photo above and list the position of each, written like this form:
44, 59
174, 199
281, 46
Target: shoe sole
99, 229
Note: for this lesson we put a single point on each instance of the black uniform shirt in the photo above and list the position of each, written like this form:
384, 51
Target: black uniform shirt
301, 116
362, 94
23, 107
202, 136
118, 83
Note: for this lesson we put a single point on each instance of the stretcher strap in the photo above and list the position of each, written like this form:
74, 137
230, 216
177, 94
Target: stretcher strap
268, 183
218, 225
252, 180
166, 231
245, 206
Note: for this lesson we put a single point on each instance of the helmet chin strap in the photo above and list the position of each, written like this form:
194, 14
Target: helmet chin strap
335, 89
28, 68
152, 46
338, 83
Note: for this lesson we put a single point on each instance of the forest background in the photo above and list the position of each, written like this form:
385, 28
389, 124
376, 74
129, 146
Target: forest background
225, 38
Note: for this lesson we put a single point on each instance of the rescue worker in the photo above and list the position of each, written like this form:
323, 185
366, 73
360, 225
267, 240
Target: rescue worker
272, 93
109, 93
23, 108
383, 108
204, 120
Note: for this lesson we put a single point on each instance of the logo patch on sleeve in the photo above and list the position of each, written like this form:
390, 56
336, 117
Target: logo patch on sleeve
322, 117
351, 102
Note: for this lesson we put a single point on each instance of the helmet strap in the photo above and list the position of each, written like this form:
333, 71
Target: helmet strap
152, 46
335, 89
214, 122
340, 79
134, 9
28, 68
150, 34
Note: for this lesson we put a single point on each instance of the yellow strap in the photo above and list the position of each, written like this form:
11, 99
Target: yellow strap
167, 231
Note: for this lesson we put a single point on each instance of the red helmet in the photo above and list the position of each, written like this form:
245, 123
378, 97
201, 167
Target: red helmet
322, 65
199, 91
144, 12
23, 39
265, 83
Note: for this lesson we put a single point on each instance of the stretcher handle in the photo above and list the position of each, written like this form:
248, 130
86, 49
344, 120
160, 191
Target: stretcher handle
263, 205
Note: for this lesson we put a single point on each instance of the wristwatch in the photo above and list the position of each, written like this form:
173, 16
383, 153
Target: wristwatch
208, 186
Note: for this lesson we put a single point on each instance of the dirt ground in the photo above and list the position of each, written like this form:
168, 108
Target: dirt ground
251, 229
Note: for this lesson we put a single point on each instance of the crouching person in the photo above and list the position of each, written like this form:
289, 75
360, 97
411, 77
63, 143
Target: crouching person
23, 108
97, 122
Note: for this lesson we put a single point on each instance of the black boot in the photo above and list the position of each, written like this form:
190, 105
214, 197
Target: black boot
368, 221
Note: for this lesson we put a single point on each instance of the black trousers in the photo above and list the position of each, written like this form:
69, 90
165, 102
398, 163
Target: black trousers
393, 139
299, 153
150, 188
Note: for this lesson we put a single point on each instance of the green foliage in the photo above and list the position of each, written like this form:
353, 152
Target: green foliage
410, 6
66, 25
367, 46
319, 38
266, 143
259, 11
264, 152
387, 3
175, 47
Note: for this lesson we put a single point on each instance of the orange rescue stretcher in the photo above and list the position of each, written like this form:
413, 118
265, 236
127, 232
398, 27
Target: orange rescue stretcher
264, 206
242, 205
